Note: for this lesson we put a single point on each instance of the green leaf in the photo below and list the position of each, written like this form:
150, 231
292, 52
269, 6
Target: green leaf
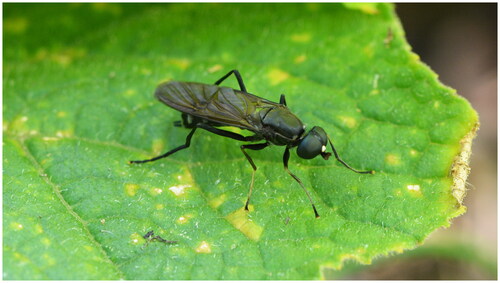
78, 83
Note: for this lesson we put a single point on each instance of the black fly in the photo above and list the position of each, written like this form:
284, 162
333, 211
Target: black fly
211, 106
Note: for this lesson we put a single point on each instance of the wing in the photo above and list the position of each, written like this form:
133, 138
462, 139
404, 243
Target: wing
214, 103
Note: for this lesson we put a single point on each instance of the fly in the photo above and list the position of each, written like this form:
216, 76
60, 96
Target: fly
209, 107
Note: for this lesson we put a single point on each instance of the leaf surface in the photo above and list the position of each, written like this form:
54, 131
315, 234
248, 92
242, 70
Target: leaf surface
79, 105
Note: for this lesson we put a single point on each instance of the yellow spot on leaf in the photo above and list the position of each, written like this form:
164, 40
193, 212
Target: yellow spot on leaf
158, 146
50, 139
184, 219
413, 152
131, 189
38, 229
16, 226
50, 261
159, 206
46, 241
146, 71
414, 190
63, 57
103, 221
156, 191
20, 258
300, 59
61, 114
368, 50
15, 25
350, 122
181, 63
301, 37
88, 248
64, 133
216, 202
204, 248
179, 189
437, 104
277, 76
392, 159
413, 187
239, 219
136, 239
130, 92
367, 8
215, 68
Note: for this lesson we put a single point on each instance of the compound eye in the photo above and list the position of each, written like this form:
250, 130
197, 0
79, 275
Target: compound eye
310, 146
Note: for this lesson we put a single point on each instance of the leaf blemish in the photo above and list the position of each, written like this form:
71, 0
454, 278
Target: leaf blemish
38, 229
63, 133
131, 189
184, 219
413, 152
157, 146
156, 191
239, 219
179, 189
17, 226
300, 59
46, 241
215, 68
204, 248
393, 159
277, 76
130, 92
414, 190
350, 122
136, 239
413, 187
216, 202
301, 37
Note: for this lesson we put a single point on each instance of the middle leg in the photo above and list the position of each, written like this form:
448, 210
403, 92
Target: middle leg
257, 146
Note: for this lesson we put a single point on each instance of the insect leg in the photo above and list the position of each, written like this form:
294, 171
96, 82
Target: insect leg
228, 134
187, 122
238, 77
186, 145
286, 156
282, 100
345, 164
257, 146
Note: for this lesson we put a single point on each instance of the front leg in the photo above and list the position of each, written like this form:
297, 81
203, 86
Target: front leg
257, 146
286, 156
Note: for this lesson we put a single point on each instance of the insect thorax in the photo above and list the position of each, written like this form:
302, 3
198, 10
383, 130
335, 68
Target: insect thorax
280, 126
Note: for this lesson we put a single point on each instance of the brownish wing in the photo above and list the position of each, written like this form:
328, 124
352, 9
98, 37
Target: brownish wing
214, 103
